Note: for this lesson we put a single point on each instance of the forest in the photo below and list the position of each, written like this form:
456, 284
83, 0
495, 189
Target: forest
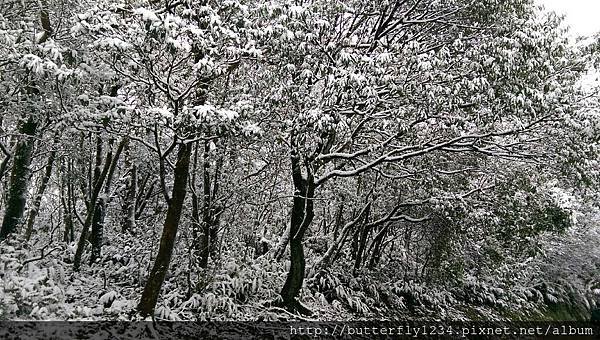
297, 159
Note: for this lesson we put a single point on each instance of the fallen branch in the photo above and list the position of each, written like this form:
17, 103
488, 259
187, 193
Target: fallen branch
41, 257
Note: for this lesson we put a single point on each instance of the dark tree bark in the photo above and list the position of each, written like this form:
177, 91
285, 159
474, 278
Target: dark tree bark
95, 192
205, 239
302, 216
205, 228
96, 235
377, 247
15, 205
361, 242
17, 191
169, 234
98, 208
95, 207
334, 249
144, 195
96, 238
34, 211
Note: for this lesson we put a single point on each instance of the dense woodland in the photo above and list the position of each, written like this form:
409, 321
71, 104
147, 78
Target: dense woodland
313, 159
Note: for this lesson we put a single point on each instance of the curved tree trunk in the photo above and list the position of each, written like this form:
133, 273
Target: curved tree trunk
169, 234
302, 216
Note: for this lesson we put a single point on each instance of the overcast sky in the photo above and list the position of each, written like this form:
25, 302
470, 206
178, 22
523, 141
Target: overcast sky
582, 15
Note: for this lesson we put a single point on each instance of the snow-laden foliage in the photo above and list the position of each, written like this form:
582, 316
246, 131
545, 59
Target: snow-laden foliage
243, 160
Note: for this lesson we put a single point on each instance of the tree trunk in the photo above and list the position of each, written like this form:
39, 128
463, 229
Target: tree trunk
199, 244
83, 236
377, 247
35, 209
283, 242
5, 160
17, 192
302, 215
339, 217
129, 220
169, 234
295, 277
67, 200
363, 233
97, 229
205, 241
129, 203
338, 243
99, 212
215, 211
95, 192
143, 195
197, 241
96, 238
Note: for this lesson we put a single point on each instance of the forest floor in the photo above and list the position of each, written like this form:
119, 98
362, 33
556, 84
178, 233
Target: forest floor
41, 285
